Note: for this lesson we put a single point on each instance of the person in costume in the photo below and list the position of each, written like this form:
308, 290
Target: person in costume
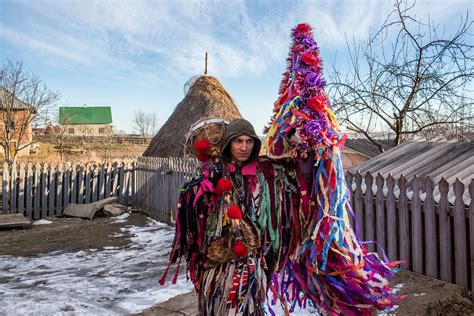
257, 230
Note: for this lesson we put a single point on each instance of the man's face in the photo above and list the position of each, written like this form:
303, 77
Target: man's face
241, 148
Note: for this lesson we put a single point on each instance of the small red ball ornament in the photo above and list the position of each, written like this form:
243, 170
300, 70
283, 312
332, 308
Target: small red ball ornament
239, 249
234, 212
223, 185
202, 146
203, 157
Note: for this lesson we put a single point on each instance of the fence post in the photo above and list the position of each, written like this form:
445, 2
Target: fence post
404, 232
349, 179
59, 190
471, 234
417, 250
380, 214
444, 232
87, 184
21, 190
369, 210
121, 190
391, 220
44, 190
95, 183
358, 206
460, 244
37, 191
5, 188
13, 186
67, 184
52, 189
29, 191
431, 252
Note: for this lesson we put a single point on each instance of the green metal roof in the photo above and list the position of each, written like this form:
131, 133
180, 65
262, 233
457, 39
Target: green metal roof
85, 115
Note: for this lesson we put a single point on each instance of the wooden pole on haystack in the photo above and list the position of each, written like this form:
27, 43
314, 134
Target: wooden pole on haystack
205, 65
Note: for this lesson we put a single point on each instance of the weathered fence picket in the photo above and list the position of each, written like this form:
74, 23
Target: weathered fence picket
460, 243
416, 227
431, 253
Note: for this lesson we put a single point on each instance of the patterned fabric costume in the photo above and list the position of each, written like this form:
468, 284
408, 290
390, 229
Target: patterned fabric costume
278, 229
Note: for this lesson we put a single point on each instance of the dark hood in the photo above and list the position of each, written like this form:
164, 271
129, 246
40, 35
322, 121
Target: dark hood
237, 128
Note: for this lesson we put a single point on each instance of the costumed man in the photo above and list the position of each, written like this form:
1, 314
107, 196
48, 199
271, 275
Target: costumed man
249, 225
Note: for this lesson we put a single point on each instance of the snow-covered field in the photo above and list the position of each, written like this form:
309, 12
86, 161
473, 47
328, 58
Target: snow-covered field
112, 281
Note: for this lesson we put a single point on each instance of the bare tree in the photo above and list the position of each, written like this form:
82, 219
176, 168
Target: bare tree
145, 124
24, 98
408, 78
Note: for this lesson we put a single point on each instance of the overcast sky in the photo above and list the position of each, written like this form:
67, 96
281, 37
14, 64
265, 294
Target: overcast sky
133, 55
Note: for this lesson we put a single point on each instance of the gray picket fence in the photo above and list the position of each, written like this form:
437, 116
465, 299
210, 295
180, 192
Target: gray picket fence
158, 184
44, 190
427, 224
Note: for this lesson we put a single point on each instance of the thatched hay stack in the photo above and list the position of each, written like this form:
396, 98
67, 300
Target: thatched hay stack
206, 98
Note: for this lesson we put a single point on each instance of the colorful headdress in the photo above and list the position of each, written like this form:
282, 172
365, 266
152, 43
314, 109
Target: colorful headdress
205, 137
303, 120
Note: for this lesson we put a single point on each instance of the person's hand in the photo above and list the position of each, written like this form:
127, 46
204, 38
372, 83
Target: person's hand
216, 172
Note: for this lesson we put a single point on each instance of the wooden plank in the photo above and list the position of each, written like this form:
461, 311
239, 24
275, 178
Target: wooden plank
358, 206
134, 182
121, 175
126, 183
29, 191
14, 220
80, 184
52, 189
59, 189
87, 184
471, 234
95, 183
108, 180
404, 228
74, 184
37, 192
380, 214
431, 253
460, 243
392, 238
101, 184
67, 185
369, 211
44, 190
21, 189
5, 188
416, 227
13, 189
114, 179
445, 239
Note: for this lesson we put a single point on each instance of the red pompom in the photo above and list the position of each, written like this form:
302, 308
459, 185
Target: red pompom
234, 212
203, 157
239, 249
202, 146
303, 28
316, 103
309, 59
223, 185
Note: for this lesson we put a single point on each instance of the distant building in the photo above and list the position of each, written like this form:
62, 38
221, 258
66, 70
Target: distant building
86, 120
16, 117
358, 150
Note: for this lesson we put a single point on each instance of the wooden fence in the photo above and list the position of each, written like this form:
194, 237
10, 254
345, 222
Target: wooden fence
42, 190
414, 220
158, 183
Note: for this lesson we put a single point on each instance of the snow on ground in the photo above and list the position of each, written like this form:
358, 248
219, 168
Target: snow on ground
42, 222
113, 281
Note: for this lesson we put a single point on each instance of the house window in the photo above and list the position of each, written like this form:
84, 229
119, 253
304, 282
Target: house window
101, 130
9, 125
70, 130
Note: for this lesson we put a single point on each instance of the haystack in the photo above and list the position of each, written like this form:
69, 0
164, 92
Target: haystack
205, 98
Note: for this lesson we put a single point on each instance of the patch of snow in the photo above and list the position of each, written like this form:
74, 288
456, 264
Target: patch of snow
398, 287
121, 218
111, 281
421, 294
42, 222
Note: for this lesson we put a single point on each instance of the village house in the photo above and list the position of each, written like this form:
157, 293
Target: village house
15, 116
86, 121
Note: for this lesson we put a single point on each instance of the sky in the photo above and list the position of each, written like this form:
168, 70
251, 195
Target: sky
138, 54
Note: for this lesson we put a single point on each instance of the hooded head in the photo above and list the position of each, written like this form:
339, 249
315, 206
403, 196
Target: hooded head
235, 129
